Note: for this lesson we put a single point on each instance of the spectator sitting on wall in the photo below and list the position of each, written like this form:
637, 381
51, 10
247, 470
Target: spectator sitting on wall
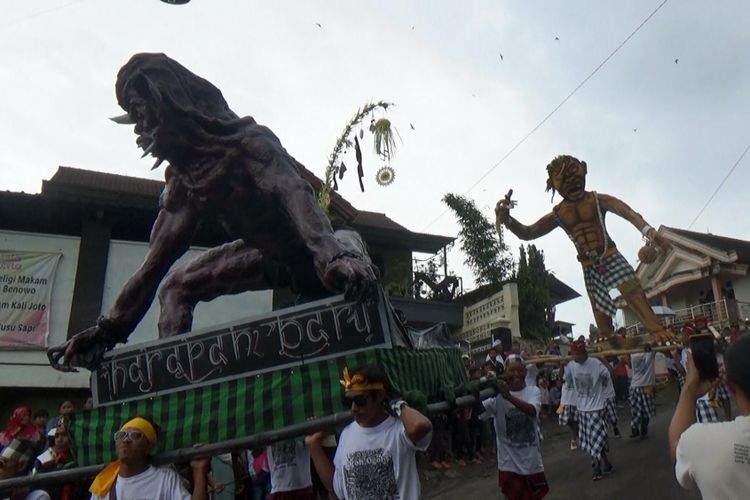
20, 427
494, 357
40, 421
15, 461
66, 409
132, 476
59, 456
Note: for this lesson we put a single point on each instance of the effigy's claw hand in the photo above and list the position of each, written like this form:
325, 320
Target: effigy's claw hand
351, 275
502, 209
85, 349
55, 355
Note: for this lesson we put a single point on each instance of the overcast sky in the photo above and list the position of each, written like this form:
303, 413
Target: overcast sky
660, 124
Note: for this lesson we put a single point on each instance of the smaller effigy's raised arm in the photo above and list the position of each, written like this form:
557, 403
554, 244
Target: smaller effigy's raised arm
539, 228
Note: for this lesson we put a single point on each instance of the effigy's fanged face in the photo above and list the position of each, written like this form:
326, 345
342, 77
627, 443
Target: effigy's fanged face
570, 180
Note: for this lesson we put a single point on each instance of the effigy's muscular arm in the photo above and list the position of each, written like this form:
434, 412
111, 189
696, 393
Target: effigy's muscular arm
170, 239
619, 207
539, 228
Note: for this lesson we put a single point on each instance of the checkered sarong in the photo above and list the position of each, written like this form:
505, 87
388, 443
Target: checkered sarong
611, 411
568, 415
722, 393
19, 451
705, 412
592, 432
598, 284
641, 407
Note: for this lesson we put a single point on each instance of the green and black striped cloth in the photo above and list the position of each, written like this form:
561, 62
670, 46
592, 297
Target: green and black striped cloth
263, 402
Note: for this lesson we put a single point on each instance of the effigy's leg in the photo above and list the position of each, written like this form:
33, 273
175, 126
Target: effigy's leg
603, 321
634, 295
225, 270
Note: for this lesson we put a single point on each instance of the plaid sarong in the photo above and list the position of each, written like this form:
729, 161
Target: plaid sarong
19, 451
642, 406
616, 271
705, 412
611, 411
592, 432
568, 415
722, 393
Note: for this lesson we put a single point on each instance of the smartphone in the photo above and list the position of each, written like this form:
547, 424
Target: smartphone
704, 356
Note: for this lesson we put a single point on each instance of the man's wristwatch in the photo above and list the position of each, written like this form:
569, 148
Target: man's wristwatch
397, 405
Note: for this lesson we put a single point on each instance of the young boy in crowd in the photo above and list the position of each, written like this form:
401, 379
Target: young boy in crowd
516, 415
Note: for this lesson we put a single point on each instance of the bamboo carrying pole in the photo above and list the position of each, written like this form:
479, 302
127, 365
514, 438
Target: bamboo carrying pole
597, 354
247, 442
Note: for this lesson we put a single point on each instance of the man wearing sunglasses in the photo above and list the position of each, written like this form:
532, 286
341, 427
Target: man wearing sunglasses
375, 457
131, 476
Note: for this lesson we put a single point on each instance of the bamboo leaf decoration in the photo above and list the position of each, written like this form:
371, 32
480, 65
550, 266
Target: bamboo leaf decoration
342, 144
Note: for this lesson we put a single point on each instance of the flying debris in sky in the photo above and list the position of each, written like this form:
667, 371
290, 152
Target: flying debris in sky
319, 25
635, 130
412, 126
501, 56
557, 38
676, 61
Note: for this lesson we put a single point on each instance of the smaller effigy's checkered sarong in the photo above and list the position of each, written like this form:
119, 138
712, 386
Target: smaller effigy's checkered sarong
601, 277
706, 413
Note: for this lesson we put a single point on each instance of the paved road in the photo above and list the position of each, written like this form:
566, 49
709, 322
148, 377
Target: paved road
642, 468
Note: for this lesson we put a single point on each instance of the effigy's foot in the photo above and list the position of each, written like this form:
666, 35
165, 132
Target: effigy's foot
663, 337
607, 341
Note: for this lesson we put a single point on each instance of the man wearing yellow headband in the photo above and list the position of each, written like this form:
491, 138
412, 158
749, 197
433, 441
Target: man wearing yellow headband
131, 476
375, 457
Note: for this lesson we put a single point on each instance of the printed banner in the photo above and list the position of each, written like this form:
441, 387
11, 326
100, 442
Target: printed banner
26, 280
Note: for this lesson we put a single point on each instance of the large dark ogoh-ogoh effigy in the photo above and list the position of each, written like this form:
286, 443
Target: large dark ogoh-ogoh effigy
230, 169
264, 373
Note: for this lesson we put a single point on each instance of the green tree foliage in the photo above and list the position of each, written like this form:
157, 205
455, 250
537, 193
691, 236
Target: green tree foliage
535, 308
486, 253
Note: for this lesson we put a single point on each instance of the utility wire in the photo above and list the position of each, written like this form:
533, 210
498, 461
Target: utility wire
720, 185
549, 115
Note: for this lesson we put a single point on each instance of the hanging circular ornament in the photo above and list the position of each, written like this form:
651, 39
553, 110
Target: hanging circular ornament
385, 176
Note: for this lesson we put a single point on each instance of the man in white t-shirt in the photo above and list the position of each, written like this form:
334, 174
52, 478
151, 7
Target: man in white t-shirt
132, 477
515, 411
375, 457
714, 458
589, 378
289, 462
642, 406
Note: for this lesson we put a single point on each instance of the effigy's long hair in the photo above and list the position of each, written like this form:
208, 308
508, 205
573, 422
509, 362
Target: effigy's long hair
180, 96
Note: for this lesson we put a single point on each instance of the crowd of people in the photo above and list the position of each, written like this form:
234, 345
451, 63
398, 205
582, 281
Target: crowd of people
375, 456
